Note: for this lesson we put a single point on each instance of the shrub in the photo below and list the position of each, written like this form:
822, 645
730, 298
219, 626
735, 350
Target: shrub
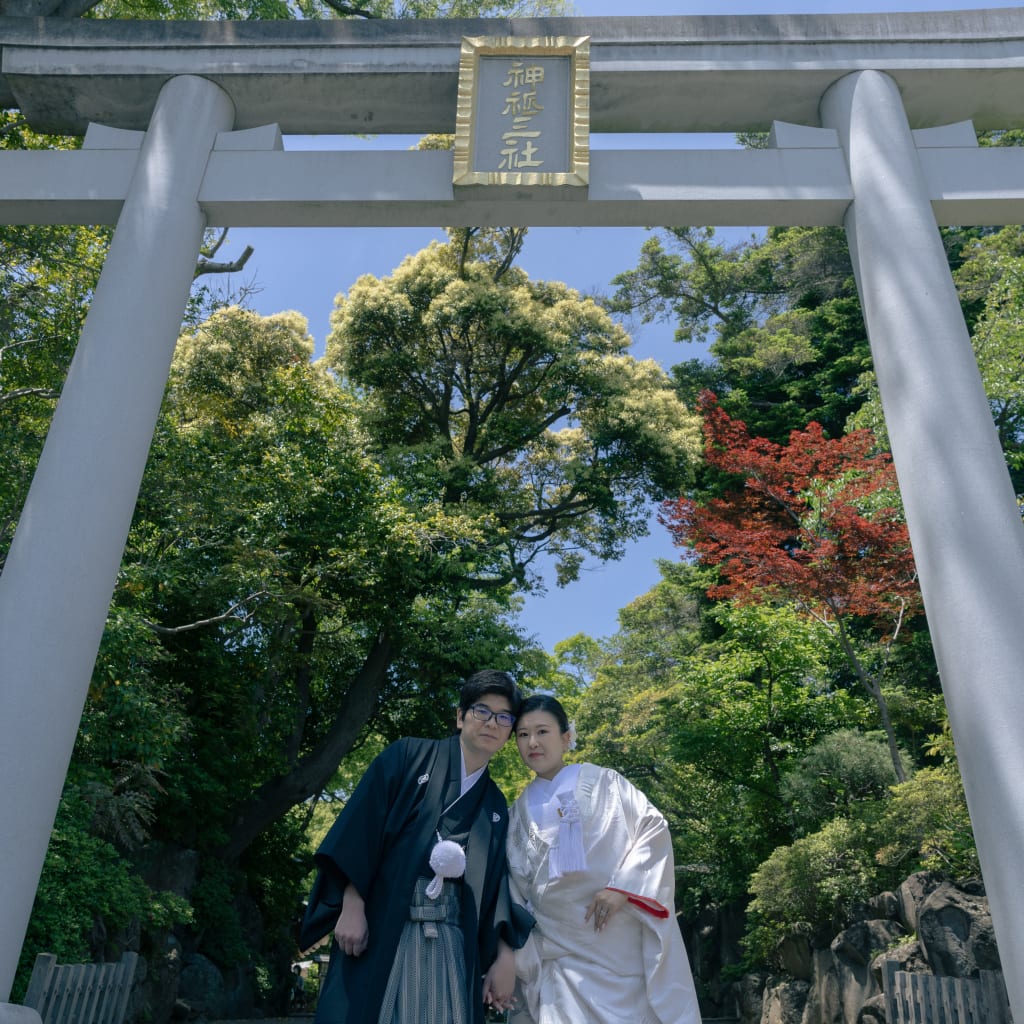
842, 769
813, 883
85, 881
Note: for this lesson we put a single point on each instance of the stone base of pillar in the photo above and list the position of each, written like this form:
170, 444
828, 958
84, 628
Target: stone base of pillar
12, 1013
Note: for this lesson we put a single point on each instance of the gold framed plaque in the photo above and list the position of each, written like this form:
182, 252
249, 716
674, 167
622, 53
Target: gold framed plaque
523, 114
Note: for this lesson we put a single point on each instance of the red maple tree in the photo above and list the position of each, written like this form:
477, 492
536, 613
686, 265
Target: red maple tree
816, 521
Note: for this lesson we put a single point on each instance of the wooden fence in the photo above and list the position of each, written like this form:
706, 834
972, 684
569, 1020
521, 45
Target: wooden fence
925, 999
80, 993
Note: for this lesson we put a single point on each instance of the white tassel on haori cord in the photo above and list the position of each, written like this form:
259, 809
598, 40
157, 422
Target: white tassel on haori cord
448, 860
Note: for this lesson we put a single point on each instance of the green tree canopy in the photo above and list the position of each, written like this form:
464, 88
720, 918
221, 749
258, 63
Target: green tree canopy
512, 401
779, 314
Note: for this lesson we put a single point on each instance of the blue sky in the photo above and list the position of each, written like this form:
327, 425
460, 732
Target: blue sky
303, 269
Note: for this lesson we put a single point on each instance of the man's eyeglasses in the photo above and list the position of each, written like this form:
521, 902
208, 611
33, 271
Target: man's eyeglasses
482, 713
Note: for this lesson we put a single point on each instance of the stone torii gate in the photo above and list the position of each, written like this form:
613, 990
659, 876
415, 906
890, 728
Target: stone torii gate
871, 119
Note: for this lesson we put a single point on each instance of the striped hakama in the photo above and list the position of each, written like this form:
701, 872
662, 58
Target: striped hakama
428, 978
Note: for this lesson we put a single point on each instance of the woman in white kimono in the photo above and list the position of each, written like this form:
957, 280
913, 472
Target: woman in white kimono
591, 858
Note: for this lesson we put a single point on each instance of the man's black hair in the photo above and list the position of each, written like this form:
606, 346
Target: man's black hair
489, 680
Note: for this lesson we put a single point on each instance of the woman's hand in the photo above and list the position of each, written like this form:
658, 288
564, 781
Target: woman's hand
604, 906
500, 980
352, 931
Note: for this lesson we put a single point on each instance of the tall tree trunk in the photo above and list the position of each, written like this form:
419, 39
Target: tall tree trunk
313, 771
874, 687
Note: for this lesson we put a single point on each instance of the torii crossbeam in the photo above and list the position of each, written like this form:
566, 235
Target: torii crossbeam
872, 120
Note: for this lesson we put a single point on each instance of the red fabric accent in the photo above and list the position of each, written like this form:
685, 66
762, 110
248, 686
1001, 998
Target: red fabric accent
652, 907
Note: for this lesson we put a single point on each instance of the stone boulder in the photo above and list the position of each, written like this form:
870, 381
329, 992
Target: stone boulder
873, 1011
885, 906
201, 986
911, 895
853, 951
749, 996
824, 1000
153, 999
796, 957
955, 930
909, 958
784, 1001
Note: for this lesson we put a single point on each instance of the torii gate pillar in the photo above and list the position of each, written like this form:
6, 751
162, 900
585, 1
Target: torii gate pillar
65, 556
961, 510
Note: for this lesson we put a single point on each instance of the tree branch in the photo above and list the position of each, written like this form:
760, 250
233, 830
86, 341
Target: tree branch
7, 396
349, 11
205, 266
15, 125
212, 621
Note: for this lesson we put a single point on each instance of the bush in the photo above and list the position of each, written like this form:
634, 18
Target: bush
813, 883
86, 882
928, 826
842, 769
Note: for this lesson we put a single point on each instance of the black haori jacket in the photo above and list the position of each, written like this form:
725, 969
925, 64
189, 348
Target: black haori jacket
381, 843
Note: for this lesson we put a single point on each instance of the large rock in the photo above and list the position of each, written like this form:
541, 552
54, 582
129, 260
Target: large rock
159, 988
911, 896
749, 994
169, 867
201, 985
955, 930
796, 956
883, 907
873, 1011
853, 951
713, 941
909, 958
784, 1002
824, 1000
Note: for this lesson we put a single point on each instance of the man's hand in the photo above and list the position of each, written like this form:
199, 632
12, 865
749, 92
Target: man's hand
500, 980
351, 931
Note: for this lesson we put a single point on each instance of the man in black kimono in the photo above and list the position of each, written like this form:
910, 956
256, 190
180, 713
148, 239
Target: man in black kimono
399, 955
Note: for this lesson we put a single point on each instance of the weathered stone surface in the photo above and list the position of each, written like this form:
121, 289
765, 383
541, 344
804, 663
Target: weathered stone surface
853, 951
713, 940
955, 930
884, 906
824, 1001
749, 992
860, 943
909, 958
170, 868
873, 1011
841, 982
109, 71
159, 989
911, 895
201, 985
784, 1001
797, 957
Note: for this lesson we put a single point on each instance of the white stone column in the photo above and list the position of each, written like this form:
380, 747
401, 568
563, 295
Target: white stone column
964, 524
60, 573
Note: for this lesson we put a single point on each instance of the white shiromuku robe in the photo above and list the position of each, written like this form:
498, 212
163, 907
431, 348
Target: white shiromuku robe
634, 971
